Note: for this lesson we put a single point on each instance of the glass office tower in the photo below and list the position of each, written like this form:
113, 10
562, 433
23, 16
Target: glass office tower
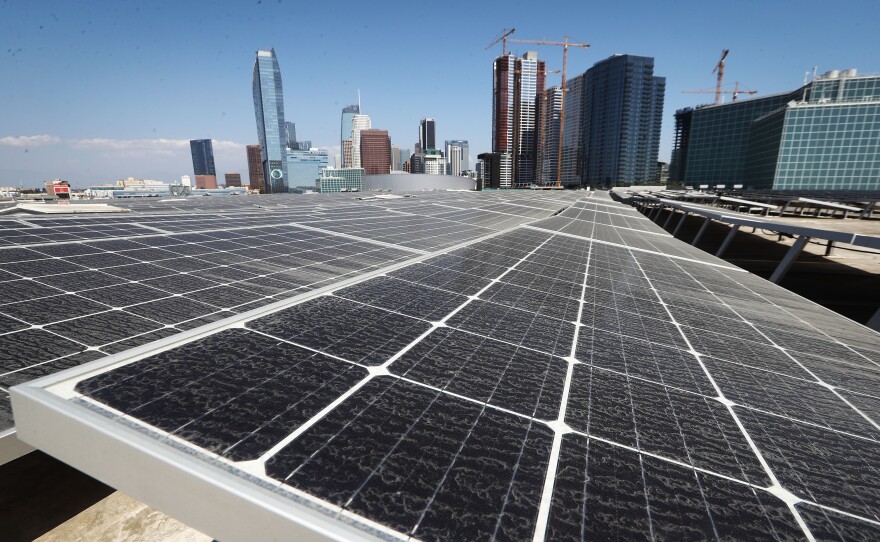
711, 142
622, 113
202, 156
348, 113
823, 136
271, 129
427, 134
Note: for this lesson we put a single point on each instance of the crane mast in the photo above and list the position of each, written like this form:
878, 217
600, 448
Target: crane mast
565, 44
503, 39
720, 69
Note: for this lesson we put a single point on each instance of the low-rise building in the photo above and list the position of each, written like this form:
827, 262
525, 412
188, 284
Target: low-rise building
341, 180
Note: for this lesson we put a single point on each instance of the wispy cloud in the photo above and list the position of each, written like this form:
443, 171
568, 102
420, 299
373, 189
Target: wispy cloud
29, 141
148, 146
145, 146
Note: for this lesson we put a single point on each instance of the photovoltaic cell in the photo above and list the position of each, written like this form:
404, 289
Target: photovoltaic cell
585, 376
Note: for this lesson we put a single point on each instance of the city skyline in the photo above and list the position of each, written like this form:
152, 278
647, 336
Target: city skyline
88, 129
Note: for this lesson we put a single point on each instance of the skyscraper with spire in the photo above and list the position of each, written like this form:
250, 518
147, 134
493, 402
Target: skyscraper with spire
271, 129
348, 113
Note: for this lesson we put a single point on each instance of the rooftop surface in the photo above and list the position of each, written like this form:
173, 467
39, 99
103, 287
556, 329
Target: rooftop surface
512, 365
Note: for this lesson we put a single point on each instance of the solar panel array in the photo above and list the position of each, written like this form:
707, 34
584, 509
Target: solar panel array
75, 289
582, 376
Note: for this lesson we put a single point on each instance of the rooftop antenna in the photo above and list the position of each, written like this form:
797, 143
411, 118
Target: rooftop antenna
359, 100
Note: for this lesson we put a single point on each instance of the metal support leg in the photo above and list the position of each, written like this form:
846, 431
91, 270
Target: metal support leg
702, 230
655, 212
680, 224
669, 219
727, 240
784, 208
829, 248
789, 259
874, 322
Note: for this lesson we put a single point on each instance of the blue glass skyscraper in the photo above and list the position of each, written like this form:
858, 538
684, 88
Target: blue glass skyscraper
202, 156
622, 112
348, 113
345, 149
269, 110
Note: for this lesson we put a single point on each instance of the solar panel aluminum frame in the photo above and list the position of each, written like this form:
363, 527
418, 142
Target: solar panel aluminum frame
11, 447
181, 481
184, 486
176, 481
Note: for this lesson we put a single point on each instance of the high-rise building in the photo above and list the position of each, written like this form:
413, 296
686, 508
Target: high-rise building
490, 170
375, 151
622, 113
290, 132
348, 113
417, 162
358, 123
404, 159
202, 156
255, 167
291, 142
549, 123
822, 136
453, 161
550, 107
269, 110
427, 134
516, 85
185, 180
346, 153
395, 158
573, 131
463, 163
232, 179
304, 166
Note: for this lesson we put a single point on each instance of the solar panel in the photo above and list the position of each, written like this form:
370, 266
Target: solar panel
73, 289
543, 381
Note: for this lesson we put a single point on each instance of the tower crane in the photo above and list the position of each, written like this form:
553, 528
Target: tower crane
720, 69
565, 44
503, 39
736, 92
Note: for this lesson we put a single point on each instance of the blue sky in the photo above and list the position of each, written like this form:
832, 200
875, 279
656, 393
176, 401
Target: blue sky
96, 91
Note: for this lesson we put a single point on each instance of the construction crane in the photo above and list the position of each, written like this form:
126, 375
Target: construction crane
720, 69
503, 39
565, 44
736, 92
